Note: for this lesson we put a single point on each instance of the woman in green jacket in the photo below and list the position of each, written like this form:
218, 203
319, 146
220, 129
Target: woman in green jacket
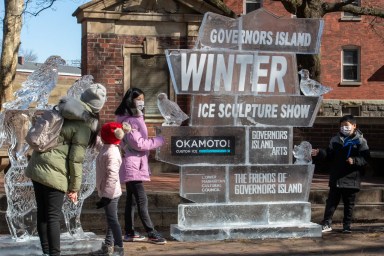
59, 171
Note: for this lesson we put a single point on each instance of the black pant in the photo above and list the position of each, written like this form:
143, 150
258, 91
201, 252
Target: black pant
113, 235
136, 189
335, 194
49, 202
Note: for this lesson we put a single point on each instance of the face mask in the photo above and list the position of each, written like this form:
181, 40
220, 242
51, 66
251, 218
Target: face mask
346, 130
139, 104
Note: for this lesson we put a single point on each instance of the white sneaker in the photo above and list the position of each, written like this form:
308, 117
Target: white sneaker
326, 228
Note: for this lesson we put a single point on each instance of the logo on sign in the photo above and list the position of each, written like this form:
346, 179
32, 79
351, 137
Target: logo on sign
203, 145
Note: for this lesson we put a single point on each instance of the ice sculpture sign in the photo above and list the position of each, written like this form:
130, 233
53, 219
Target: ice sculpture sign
260, 31
235, 158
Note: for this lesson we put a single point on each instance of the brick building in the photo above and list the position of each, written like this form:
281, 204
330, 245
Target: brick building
123, 45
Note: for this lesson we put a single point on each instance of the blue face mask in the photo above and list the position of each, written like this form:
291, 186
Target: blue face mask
346, 130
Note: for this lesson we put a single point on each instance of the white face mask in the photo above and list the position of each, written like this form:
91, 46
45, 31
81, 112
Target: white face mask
139, 104
346, 130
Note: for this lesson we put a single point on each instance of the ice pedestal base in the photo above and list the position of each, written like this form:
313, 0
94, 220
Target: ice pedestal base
69, 246
245, 232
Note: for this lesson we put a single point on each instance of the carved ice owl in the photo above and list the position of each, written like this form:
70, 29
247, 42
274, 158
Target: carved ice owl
171, 112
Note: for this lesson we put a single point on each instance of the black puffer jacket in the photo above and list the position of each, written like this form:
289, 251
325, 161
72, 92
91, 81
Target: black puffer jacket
343, 174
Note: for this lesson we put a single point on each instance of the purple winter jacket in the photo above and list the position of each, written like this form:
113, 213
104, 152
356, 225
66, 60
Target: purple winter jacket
136, 146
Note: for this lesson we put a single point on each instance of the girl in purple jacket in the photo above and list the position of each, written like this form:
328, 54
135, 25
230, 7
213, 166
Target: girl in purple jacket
134, 168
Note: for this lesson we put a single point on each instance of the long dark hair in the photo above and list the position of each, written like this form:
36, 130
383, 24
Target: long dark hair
126, 105
93, 139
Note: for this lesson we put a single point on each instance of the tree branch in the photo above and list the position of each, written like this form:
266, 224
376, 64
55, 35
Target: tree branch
347, 7
48, 4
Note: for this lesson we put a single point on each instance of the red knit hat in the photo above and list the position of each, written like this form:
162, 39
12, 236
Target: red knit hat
112, 133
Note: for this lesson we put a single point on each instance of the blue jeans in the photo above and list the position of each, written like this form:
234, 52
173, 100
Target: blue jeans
135, 189
114, 235
49, 202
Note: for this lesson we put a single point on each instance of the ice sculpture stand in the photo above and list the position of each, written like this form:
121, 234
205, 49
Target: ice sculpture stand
69, 245
236, 155
245, 208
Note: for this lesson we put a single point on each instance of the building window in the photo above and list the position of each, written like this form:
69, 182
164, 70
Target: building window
251, 5
351, 65
150, 74
350, 16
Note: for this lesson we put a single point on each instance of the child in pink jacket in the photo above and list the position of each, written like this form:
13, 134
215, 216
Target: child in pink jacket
108, 186
134, 168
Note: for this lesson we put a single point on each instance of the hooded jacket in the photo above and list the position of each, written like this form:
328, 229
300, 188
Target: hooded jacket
61, 168
343, 174
136, 146
107, 171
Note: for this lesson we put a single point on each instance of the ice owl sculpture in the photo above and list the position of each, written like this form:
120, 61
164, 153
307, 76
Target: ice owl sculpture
38, 86
171, 112
310, 87
302, 153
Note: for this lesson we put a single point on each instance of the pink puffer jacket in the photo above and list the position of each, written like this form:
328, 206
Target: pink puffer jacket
107, 171
136, 146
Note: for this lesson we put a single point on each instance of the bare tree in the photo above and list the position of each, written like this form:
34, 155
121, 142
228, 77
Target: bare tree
13, 15
319, 8
28, 55
11, 42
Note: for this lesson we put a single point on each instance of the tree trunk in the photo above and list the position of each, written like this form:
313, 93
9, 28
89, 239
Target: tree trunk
11, 42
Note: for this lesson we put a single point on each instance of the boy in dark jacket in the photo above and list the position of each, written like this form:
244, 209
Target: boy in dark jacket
348, 152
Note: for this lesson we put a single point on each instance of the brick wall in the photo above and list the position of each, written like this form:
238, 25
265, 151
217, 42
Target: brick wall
357, 33
326, 127
103, 55
321, 132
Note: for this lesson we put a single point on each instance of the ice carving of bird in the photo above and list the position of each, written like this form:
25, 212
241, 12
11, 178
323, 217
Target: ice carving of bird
171, 112
80, 86
38, 85
302, 153
310, 87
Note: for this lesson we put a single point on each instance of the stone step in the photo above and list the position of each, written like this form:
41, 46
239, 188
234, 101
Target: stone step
362, 213
94, 220
172, 199
365, 196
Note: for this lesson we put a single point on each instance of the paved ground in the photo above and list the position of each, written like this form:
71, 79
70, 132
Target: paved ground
366, 239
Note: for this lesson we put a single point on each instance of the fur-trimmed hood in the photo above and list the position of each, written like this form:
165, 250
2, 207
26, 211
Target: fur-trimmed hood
74, 109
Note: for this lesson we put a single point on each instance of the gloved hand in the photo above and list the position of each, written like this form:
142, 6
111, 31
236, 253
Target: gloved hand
103, 202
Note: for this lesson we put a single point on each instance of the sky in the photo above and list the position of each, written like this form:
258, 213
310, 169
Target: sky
53, 32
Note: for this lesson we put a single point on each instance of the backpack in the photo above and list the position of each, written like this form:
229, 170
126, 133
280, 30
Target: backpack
44, 133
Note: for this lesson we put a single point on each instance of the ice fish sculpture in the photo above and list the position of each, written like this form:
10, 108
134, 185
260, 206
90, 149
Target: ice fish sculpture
38, 86
171, 112
302, 153
310, 87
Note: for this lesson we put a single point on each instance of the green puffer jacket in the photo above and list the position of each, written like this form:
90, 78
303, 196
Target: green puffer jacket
61, 168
